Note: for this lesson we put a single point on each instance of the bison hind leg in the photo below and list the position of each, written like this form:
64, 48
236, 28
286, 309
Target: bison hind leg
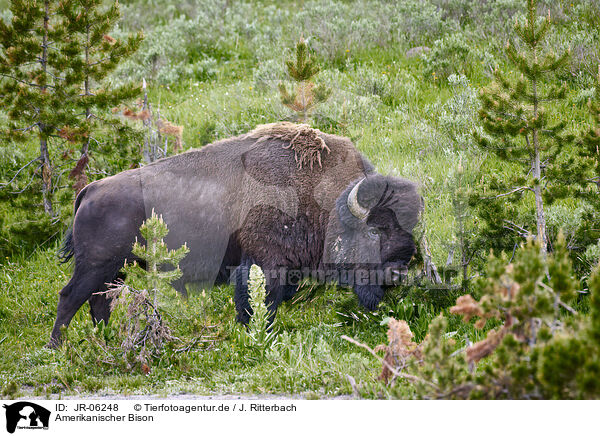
99, 308
85, 282
179, 286
100, 303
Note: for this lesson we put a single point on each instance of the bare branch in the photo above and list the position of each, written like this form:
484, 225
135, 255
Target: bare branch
518, 229
4, 185
91, 64
519, 189
430, 268
25, 82
566, 306
26, 129
26, 186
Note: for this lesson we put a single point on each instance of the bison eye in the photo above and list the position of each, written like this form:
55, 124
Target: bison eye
373, 232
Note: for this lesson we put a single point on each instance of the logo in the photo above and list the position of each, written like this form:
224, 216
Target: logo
26, 415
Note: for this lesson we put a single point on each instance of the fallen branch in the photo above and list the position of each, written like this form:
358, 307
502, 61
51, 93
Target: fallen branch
558, 300
566, 306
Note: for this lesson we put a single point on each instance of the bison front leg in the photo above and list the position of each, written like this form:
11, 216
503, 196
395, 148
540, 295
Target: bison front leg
99, 308
242, 305
277, 287
369, 295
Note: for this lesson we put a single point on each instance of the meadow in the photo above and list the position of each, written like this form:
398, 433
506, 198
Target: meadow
213, 67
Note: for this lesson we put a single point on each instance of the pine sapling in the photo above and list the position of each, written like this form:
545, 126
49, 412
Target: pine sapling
145, 328
306, 94
465, 228
514, 115
534, 352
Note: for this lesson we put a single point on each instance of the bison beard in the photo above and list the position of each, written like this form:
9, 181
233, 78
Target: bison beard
242, 201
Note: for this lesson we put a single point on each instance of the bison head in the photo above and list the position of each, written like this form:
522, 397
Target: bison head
369, 236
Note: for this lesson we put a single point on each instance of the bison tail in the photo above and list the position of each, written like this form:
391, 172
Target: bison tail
66, 251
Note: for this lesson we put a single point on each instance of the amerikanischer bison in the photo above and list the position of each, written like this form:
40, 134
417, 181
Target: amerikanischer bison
291, 199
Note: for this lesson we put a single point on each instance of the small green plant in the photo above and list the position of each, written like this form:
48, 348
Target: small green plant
260, 335
306, 96
145, 329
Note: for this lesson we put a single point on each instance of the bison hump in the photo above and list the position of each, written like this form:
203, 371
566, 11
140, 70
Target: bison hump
301, 138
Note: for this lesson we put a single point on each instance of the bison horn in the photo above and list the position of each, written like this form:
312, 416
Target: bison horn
354, 206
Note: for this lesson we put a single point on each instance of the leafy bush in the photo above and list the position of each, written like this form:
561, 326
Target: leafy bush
537, 352
449, 55
418, 23
457, 117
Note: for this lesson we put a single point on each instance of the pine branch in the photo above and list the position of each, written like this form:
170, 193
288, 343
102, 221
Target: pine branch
24, 82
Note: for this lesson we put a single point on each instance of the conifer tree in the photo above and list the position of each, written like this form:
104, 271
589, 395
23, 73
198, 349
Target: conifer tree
38, 83
590, 172
514, 116
306, 95
54, 56
591, 139
95, 54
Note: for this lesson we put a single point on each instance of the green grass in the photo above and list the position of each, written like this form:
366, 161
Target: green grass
308, 356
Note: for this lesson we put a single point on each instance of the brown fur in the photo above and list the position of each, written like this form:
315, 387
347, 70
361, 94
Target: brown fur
301, 138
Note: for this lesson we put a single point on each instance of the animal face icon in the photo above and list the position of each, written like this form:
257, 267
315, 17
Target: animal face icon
26, 414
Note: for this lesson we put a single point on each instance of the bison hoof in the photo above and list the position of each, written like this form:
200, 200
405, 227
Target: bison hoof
52, 344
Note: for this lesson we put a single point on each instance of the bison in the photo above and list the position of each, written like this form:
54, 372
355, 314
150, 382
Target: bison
289, 198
